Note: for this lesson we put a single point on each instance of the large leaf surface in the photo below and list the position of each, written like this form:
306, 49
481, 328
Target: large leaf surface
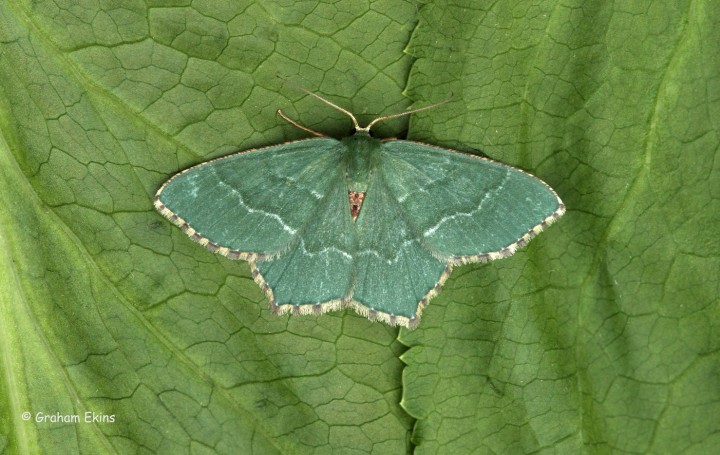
600, 337
107, 307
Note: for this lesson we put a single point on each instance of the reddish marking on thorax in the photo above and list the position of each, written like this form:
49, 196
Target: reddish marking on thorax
356, 202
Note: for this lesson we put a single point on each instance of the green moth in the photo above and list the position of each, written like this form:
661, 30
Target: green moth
357, 222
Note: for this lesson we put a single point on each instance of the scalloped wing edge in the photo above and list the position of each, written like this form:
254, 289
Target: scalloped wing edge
195, 236
359, 308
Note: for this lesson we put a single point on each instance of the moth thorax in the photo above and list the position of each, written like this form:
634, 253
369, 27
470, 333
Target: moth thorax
362, 155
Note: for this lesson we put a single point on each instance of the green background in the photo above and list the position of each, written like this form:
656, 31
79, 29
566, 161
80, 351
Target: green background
600, 337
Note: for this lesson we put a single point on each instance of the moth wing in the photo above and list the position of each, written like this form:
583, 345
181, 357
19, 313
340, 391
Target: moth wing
467, 208
251, 204
395, 275
315, 273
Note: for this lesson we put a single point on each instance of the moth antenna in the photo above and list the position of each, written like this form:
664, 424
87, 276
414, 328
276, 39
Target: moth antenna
293, 122
411, 111
329, 103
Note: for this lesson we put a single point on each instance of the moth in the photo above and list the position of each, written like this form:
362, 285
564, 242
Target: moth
358, 222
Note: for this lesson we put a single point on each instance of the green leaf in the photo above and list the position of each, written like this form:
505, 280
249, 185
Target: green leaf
599, 337
107, 308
